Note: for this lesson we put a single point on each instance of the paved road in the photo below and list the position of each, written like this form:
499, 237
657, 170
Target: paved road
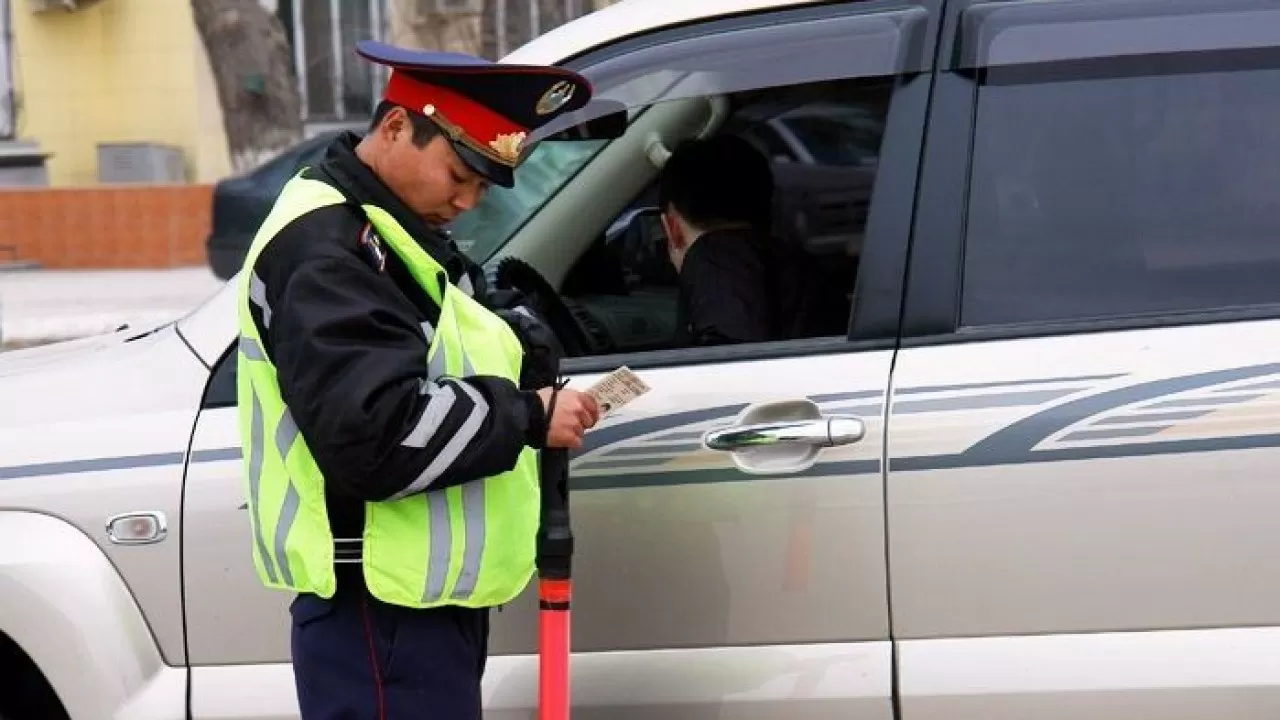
38, 306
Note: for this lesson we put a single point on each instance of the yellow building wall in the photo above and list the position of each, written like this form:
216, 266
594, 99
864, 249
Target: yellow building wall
118, 71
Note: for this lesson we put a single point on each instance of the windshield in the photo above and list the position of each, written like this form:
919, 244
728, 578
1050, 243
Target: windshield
486, 228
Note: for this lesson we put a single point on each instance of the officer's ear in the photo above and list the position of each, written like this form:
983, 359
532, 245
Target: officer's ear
394, 125
673, 229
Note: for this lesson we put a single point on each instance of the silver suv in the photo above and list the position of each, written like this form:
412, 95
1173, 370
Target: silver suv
1039, 480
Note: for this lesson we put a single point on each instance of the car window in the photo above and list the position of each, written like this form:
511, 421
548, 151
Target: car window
486, 228
767, 140
628, 289
1129, 185
812, 97
873, 44
834, 139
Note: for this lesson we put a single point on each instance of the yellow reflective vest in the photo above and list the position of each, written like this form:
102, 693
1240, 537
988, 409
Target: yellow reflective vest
470, 544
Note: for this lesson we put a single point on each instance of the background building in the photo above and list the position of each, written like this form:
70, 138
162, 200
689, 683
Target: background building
339, 89
78, 75
111, 129
95, 91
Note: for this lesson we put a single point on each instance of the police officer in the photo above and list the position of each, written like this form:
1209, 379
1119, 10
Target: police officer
389, 448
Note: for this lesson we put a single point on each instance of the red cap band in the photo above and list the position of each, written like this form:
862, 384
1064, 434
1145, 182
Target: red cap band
480, 128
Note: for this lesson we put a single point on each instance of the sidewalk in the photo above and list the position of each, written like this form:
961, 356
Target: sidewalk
39, 306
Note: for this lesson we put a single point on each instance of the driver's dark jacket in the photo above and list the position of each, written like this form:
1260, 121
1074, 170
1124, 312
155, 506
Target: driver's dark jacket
350, 351
744, 286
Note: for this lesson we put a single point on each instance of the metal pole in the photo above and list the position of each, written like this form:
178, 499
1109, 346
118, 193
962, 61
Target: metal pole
300, 55
335, 34
500, 27
535, 18
375, 32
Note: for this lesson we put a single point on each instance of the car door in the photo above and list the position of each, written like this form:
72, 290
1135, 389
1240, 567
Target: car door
1083, 433
715, 584
703, 588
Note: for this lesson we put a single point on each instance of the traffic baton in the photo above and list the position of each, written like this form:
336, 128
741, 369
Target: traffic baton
555, 586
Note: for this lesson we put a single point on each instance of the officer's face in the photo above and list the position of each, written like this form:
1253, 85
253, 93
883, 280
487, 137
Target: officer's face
432, 180
442, 186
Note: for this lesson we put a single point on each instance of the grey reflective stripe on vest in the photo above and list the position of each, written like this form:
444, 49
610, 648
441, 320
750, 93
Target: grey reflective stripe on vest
441, 533
441, 546
436, 368
467, 368
255, 481
464, 284
251, 349
473, 516
286, 436
258, 294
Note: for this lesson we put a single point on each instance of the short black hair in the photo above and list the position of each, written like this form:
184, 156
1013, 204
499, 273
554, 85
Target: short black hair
718, 181
423, 129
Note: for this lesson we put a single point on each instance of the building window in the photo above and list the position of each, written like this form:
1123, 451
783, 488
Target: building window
336, 84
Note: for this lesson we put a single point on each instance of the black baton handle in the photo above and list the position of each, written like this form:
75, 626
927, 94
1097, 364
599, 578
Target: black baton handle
555, 534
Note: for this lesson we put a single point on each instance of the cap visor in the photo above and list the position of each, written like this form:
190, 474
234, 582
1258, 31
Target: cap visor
496, 173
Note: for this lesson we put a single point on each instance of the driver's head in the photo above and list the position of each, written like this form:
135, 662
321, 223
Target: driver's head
718, 183
450, 125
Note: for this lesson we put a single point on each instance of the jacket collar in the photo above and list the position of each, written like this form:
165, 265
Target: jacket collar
360, 184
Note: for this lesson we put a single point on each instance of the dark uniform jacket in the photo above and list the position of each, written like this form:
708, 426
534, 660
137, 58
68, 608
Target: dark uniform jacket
740, 286
348, 341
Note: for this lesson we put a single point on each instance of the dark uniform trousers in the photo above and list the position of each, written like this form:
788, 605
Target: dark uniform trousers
357, 658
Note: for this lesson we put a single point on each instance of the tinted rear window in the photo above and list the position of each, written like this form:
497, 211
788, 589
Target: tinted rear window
1143, 186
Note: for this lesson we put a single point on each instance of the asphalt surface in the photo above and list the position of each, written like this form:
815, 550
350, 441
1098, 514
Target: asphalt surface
41, 306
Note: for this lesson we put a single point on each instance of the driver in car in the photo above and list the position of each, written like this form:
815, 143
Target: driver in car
738, 283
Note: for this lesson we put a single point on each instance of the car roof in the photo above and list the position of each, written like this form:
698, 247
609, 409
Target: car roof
628, 18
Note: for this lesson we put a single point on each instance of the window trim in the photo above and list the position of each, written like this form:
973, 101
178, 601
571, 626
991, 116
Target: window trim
919, 56
933, 295
721, 354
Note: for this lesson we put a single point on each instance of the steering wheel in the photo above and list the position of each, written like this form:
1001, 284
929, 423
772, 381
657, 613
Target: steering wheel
519, 276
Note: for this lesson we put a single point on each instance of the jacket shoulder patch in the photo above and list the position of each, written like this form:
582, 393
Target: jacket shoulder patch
372, 248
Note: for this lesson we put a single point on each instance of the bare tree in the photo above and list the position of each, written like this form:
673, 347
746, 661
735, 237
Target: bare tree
252, 66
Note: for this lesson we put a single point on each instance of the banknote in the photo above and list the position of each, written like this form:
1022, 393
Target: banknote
617, 389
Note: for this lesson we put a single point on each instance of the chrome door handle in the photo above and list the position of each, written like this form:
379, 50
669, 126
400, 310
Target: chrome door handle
827, 431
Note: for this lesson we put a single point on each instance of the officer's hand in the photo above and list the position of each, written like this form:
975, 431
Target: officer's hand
574, 414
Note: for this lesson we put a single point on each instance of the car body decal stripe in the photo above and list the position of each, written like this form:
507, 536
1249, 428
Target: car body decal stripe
714, 475
1003, 384
1017, 439
1116, 433
1216, 401
1013, 444
70, 467
1162, 417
